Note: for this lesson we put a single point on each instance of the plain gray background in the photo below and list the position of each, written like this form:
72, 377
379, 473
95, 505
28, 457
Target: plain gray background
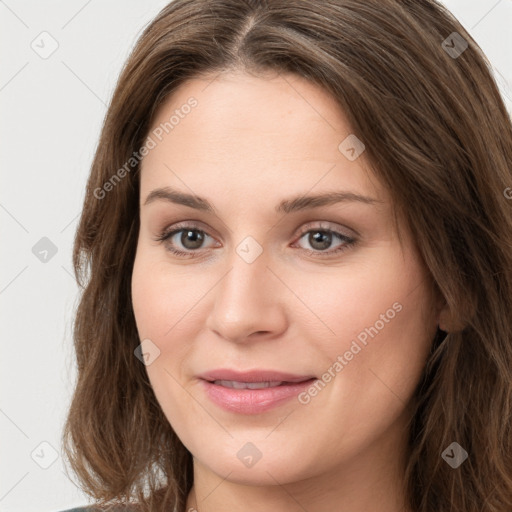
52, 108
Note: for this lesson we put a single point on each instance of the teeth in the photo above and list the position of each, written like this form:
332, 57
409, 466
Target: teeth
246, 385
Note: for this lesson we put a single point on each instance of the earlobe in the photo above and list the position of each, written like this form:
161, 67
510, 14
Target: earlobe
447, 321
443, 319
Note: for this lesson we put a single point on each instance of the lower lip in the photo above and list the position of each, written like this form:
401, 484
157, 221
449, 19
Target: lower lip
253, 401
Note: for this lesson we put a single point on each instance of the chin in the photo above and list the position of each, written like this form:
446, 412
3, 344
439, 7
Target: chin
255, 462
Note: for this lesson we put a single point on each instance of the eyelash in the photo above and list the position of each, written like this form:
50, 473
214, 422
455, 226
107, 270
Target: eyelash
166, 235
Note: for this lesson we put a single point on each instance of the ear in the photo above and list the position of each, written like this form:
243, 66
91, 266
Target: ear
446, 320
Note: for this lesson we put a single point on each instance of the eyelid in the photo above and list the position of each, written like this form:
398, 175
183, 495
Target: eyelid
328, 226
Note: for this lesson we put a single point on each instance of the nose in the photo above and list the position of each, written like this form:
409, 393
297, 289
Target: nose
248, 302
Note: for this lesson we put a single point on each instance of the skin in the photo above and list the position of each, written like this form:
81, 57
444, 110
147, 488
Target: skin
250, 143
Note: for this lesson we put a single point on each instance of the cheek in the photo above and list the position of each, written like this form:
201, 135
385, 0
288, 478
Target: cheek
158, 304
382, 326
382, 298
167, 304
373, 330
160, 296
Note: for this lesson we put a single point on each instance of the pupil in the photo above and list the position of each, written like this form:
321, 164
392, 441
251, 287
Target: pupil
318, 236
195, 237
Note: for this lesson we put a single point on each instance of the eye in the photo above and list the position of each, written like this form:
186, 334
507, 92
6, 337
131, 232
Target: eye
191, 238
320, 238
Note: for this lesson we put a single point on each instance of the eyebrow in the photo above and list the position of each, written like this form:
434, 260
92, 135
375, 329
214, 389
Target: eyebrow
293, 204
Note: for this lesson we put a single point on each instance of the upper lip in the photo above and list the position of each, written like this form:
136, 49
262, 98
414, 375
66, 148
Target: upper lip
253, 376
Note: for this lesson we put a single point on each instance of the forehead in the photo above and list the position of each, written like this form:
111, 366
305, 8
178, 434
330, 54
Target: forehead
247, 133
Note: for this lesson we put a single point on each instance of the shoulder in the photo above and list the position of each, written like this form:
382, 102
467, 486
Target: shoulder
92, 508
79, 509
82, 509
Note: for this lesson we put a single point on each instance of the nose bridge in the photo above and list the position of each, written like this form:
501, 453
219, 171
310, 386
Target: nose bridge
244, 286
243, 300
248, 262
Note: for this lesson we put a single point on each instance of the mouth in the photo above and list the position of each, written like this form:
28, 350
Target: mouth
249, 385
252, 392
273, 377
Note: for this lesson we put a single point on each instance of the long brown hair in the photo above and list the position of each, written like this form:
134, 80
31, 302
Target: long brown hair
439, 137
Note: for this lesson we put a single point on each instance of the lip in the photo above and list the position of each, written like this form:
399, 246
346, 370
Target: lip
253, 376
253, 401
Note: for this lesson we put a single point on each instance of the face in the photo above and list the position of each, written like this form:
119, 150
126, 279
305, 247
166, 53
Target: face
316, 301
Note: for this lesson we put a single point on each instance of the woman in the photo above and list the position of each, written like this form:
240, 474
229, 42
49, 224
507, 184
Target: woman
295, 250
